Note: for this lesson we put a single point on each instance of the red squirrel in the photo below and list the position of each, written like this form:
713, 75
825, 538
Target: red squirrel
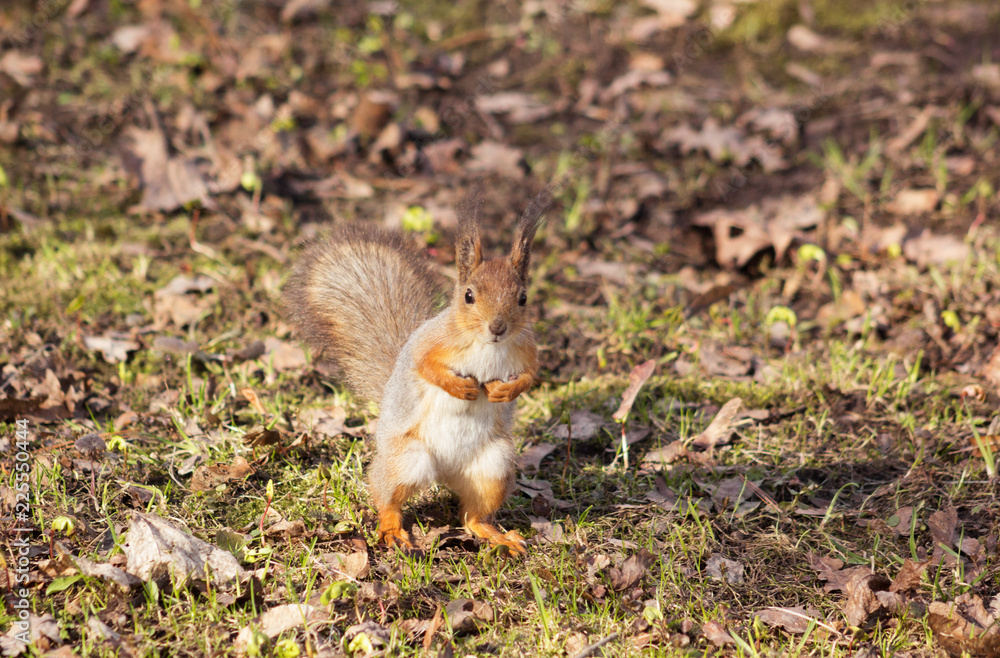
363, 298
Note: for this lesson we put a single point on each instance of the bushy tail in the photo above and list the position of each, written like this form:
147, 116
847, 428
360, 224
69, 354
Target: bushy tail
355, 296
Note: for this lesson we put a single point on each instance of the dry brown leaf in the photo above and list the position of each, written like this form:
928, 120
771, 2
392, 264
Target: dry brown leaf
12, 409
114, 347
721, 428
585, 425
957, 636
259, 435
207, 478
724, 569
298, 9
255, 403
550, 532
943, 524
667, 454
532, 457
107, 572
991, 371
157, 550
128, 38
742, 234
728, 362
909, 576
347, 566
914, 202
794, 620
716, 634
543, 488
520, 107
168, 183
901, 521
862, 601
282, 618
632, 570
465, 615
21, 66
933, 249
494, 157
661, 494
329, 421
725, 144
636, 379
806, 40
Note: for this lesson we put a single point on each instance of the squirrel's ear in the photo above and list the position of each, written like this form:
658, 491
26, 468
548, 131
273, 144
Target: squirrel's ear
469, 247
524, 234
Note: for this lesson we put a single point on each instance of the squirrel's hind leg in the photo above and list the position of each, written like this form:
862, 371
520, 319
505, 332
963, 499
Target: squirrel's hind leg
390, 516
394, 477
481, 498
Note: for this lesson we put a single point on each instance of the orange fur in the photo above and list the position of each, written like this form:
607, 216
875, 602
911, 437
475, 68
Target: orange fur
434, 368
390, 518
480, 500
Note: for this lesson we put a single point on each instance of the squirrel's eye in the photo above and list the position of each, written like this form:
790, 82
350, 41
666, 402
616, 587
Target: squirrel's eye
522, 300
469, 299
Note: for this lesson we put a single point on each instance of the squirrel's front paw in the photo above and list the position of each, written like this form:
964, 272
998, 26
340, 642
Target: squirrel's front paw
499, 391
506, 391
463, 388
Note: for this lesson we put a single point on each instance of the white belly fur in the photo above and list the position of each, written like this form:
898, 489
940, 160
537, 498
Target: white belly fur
461, 437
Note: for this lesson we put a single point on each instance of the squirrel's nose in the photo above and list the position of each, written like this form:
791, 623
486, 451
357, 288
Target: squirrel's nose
498, 327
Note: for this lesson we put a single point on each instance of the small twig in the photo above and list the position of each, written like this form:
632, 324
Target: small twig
592, 649
624, 443
569, 439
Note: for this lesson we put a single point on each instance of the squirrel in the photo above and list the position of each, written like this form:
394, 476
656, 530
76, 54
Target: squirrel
363, 299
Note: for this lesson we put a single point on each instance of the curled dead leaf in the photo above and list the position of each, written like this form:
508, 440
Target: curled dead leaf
862, 600
636, 379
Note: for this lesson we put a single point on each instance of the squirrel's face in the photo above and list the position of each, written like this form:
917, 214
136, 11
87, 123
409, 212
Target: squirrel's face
491, 302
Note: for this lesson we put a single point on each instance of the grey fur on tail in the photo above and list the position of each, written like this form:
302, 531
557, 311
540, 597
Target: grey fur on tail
355, 296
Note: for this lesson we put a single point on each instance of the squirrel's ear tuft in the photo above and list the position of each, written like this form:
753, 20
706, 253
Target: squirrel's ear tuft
524, 234
469, 247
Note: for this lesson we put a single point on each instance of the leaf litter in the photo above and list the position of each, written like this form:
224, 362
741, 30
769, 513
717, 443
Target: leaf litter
252, 152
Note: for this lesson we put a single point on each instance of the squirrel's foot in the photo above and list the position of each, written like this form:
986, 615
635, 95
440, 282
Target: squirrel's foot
395, 536
512, 540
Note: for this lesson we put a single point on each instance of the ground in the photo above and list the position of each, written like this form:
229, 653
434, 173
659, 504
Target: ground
780, 213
